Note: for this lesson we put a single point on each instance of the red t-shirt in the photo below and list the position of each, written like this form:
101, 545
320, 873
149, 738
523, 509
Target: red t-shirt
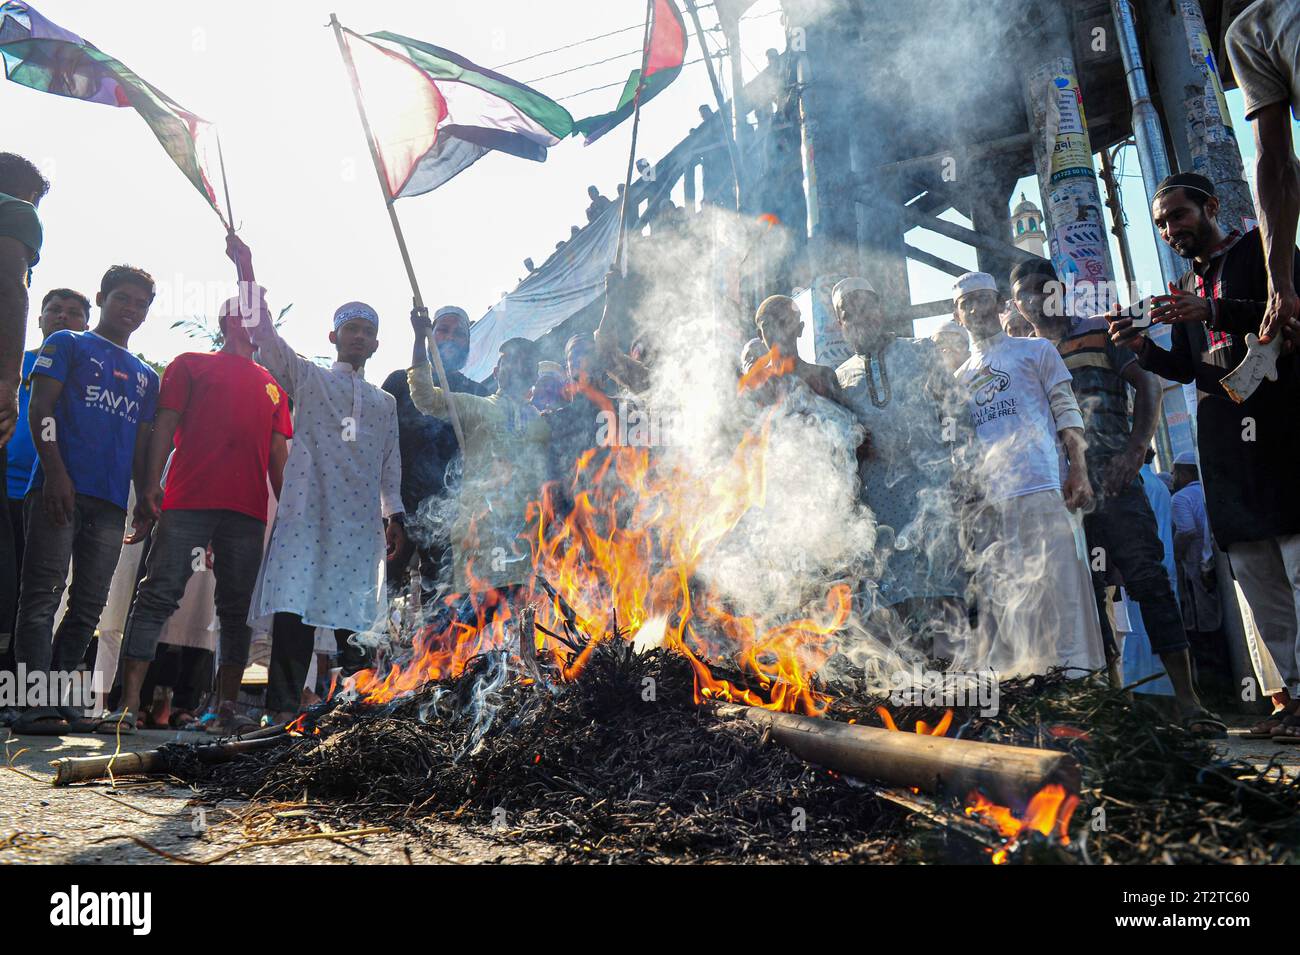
229, 407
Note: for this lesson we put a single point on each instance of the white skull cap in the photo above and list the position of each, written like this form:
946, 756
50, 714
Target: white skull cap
973, 282
844, 286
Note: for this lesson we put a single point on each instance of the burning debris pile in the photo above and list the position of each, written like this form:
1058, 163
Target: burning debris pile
622, 765
603, 769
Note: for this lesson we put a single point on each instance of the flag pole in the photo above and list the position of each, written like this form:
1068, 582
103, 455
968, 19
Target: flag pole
631, 153
416, 297
727, 139
225, 185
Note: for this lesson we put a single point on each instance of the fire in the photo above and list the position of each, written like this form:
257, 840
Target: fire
769, 366
1048, 812
626, 556
922, 728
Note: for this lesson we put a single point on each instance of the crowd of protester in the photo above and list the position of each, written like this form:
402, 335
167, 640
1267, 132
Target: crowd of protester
288, 501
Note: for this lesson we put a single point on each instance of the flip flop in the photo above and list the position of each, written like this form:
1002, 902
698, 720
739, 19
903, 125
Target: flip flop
40, 721
77, 721
1205, 718
120, 723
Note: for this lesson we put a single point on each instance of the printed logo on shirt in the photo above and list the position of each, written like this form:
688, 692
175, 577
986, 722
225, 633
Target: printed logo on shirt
274, 393
97, 396
98, 364
141, 383
44, 362
119, 373
1000, 409
988, 383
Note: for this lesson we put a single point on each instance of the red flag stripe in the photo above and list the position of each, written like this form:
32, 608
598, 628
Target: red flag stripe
667, 46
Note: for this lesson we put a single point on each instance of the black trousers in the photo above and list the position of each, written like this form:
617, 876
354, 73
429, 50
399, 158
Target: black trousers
292, 642
187, 670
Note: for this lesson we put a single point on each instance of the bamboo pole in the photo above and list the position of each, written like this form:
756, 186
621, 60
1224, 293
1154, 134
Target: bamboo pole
82, 769
636, 123
727, 138
1009, 775
389, 200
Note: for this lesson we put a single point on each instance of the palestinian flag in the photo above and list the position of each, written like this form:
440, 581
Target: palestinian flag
663, 56
433, 113
46, 57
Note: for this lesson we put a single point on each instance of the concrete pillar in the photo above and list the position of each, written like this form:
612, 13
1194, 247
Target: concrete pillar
990, 215
879, 228
1191, 97
817, 41
1072, 204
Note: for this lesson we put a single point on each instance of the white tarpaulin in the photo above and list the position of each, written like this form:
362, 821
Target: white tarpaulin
572, 278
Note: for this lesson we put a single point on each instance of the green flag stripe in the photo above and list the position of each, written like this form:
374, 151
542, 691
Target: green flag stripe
593, 127
443, 64
169, 121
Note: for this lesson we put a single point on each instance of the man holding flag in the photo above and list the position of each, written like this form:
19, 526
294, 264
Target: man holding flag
341, 503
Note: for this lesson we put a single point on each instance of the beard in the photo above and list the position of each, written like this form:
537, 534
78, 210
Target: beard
453, 354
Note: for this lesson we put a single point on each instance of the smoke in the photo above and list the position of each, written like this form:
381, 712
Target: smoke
806, 529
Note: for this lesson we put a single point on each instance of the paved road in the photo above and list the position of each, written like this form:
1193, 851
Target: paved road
92, 823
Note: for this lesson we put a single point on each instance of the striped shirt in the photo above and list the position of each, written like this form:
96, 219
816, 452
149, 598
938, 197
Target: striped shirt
1096, 364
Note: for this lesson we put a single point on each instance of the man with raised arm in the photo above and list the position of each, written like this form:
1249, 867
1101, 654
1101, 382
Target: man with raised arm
340, 508
505, 463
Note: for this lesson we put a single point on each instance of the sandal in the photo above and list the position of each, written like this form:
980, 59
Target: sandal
40, 721
1289, 731
1217, 729
119, 723
1265, 728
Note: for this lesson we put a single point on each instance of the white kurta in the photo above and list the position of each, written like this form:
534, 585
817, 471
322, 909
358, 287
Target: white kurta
325, 560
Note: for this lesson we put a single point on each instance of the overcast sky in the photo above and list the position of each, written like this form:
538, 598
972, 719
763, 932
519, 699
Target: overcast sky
269, 76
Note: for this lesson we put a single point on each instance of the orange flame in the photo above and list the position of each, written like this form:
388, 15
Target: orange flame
922, 728
1048, 812
623, 563
769, 366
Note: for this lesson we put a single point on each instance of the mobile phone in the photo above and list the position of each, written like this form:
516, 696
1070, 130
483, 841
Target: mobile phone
1140, 312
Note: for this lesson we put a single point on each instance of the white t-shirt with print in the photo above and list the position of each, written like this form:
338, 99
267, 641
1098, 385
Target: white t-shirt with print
1006, 382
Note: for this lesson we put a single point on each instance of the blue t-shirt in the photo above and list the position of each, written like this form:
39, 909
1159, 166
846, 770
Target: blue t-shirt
107, 394
22, 453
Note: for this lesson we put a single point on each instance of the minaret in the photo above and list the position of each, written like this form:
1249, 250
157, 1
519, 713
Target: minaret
1027, 227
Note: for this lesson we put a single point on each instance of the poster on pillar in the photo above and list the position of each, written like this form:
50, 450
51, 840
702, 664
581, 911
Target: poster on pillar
1067, 130
1077, 240
1082, 265
1209, 108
